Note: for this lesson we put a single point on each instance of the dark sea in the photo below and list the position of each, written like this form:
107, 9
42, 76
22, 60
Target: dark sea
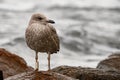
89, 30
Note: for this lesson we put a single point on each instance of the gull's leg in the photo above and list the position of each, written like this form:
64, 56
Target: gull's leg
49, 61
37, 62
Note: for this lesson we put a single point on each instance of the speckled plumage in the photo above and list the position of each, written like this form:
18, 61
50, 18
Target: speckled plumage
41, 36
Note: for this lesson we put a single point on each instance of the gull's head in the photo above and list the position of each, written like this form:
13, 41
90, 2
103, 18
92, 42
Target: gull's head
41, 19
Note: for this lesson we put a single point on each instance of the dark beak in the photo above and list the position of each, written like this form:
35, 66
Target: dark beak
51, 21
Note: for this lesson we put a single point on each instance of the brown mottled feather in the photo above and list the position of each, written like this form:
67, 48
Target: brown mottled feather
42, 38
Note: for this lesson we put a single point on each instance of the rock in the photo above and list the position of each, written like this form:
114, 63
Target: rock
86, 73
1, 75
114, 55
39, 76
12, 64
112, 63
15, 68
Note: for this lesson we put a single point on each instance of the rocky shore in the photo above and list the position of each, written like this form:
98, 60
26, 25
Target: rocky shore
14, 67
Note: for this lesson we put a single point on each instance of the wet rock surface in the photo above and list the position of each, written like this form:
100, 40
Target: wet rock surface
15, 68
12, 64
108, 69
87, 73
112, 63
42, 75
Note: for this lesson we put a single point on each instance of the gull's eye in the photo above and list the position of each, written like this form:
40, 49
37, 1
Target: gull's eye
40, 18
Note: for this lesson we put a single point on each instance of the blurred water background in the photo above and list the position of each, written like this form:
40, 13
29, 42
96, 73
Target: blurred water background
89, 30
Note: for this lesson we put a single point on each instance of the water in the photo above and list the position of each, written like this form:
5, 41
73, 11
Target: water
89, 30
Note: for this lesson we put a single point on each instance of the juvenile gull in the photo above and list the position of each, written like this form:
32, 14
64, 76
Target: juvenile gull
41, 36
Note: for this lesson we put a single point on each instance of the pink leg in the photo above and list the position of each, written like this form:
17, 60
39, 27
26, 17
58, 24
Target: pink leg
49, 61
37, 62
